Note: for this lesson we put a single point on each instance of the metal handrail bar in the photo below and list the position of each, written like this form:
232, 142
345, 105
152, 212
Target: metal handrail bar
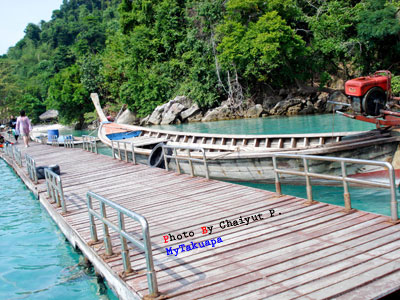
69, 141
54, 140
54, 188
89, 143
343, 177
124, 236
31, 167
17, 156
188, 157
128, 147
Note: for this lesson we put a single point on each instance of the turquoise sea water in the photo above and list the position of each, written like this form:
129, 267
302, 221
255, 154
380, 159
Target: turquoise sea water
366, 199
276, 125
36, 262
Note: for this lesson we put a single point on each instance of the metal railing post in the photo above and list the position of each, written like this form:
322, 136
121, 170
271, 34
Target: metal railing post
393, 198
278, 188
189, 158
119, 151
343, 178
205, 164
346, 194
124, 236
308, 182
126, 153
31, 168
106, 233
133, 154
124, 246
93, 230
190, 163
151, 273
17, 156
112, 149
55, 189
165, 158
178, 167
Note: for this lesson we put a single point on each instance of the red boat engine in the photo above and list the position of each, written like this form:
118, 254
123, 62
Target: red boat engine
368, 95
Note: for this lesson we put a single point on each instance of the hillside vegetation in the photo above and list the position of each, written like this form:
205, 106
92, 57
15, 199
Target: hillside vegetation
143, 53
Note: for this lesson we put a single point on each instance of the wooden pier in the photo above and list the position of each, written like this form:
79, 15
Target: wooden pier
303, 251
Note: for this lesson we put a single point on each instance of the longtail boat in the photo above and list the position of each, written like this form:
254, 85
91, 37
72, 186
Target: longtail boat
247, 157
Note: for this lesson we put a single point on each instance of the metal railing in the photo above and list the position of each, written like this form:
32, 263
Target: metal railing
90, 143
343, 177
127, 147
43, 139
31, 167
8, 135
17, 156
124, 236
69, 141
54, 188
9, 150
53, 139
188, 157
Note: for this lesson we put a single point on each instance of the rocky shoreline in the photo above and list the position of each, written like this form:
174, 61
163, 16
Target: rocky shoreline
289, 102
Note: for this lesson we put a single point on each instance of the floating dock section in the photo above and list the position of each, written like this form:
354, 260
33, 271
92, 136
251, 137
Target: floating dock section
211, 239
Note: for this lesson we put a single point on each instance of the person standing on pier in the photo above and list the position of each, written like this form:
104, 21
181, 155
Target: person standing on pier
24, 127
12, 124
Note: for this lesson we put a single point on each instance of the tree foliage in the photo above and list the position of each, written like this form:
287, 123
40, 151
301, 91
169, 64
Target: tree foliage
143, 53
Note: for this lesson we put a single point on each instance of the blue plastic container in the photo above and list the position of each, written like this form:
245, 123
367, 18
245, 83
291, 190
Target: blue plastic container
51, 133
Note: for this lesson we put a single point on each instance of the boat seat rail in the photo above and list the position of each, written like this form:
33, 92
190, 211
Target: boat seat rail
124, 235
343, 177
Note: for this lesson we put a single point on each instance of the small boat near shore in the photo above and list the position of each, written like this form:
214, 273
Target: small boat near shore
247, 157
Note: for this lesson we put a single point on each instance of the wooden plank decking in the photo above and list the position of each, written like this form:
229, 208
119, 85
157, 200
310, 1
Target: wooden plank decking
307, 252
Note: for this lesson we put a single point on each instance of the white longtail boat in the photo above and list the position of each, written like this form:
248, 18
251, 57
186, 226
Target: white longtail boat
245, 157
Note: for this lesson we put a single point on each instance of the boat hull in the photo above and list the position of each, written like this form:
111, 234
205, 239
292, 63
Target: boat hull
261, 170
248, 157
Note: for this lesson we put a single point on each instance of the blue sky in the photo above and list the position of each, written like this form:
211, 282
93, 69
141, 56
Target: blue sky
16, 14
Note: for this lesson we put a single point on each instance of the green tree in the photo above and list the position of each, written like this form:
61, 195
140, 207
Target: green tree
68, 95
259, 48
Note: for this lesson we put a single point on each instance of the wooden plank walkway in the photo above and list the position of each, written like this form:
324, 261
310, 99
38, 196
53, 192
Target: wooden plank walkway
307, 252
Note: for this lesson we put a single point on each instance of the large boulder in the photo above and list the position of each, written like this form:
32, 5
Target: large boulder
191, 111
127, 117
282, 107
254, 111
307, 109
185, 101
172, 114
49, 115
270, 102
196, 117
156, 116
217, 114
294, 109
169, 112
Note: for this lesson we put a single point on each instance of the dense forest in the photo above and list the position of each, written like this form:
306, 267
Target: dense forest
143, 53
